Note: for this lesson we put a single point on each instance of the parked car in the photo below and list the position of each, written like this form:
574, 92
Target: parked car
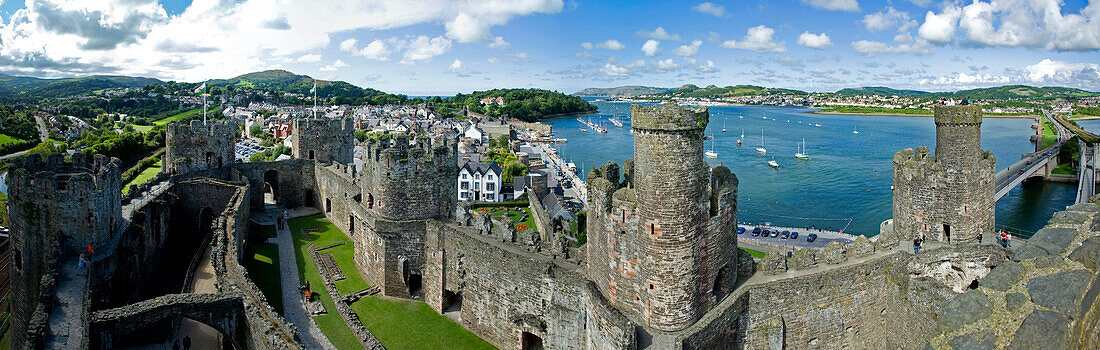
812, 237
766, 233
775, 233
794, 235
756, 231
740, 230
786, 234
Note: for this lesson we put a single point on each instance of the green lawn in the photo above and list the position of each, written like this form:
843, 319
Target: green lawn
178, 116
5, 139
515, 214
389, 321
754, 253
263, 268
1064, 169
145, 175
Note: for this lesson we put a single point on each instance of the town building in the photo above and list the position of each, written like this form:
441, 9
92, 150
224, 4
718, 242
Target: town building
479, 182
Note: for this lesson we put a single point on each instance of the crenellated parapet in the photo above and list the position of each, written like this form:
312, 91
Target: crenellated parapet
410, 179
322, 139
668, 117
197, 146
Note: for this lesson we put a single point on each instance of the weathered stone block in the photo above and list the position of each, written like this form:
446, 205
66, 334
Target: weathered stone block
1053, 239
1088, 253
804, 259
980, 341
1013, 301
1059, 291
964, 309
1004, 276
861, 247
1042, 329
834, 253
1028, 251
773, 264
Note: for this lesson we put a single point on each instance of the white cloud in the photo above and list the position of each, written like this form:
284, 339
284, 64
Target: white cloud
636, 64
493, 60
611, 44
706, 67
688, 50
614, 70
667, 65
138, 37
658, 34
710, 9
312, 58
456, 65
940, 28
882, 20
1049, 71
874, 48
424, 48
816, 41
836, 5
334, 66
498, 42
759, 39
651, 47
375, 50
348, 45
587, 46
963, 79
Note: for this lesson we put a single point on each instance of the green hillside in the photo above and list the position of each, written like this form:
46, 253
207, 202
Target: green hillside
1011, 92
621, 91
31, 88
690, 90
284, 81
524, 104
879, 90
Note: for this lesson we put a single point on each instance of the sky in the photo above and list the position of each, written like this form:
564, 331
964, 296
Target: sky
437, 47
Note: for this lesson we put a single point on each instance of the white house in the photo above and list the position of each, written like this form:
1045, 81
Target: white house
479, 182
474, 133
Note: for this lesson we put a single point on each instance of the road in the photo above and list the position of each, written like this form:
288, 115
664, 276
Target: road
1005, 179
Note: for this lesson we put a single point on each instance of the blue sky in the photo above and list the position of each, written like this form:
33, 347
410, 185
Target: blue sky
442, 47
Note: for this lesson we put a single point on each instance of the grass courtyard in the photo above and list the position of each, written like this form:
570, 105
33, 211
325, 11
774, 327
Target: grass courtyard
390, 321
263, 268
144, 176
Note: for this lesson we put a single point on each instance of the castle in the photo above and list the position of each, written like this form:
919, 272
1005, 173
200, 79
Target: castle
947, 197
661, 269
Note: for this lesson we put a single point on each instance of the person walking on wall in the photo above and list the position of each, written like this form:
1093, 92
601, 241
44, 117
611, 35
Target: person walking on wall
80, 264
90, 250
1008, 239
187, 342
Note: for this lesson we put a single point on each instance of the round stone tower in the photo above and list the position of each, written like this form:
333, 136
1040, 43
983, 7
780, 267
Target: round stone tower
671, 186
958, 136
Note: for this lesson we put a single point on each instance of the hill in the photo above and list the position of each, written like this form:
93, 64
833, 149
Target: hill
879, 90
1015, 92
17, 88
621, 91
524, 104
284, 81
690, 90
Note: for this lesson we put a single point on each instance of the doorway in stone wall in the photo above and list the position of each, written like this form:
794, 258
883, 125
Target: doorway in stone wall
271, 187
947, 233
529, 341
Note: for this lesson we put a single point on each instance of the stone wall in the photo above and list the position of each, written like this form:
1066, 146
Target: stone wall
194, 146
505, 291
324, 140
291, 180
409, 181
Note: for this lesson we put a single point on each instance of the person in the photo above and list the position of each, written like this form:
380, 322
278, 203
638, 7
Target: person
80, 264
979, 237
1008, 239
187, 342
916, 245
176, 345
90, 251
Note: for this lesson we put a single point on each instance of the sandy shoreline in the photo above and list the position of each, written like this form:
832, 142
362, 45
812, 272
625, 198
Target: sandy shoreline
1028, 116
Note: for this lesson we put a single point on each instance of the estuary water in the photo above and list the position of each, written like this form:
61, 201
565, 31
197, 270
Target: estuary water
846, 182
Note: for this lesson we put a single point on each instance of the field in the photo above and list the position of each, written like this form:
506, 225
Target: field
388, 320
754, 253
1064, 169
145, 175
5, 139
196, 111
263, 268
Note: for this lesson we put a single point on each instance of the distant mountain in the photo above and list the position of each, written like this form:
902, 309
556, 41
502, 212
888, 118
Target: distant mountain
621, 91
30, 88
1009, 92
712, 91
879, 90
284, 81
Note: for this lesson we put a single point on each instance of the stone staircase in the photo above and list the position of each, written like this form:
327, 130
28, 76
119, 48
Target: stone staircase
70, 310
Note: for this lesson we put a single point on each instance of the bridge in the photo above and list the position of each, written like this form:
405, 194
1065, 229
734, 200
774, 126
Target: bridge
1032, 164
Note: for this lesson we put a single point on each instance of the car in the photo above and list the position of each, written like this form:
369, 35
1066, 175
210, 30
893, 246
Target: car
794, 235
812, 237
756, 231
775, 233
4, 230
1021, 172
740, 230
765, 233
786, 234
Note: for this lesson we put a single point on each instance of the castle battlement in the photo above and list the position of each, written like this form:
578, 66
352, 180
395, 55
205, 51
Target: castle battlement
219, 128
958, 115
322, 139
97, 166
196, 146
311, 124
669, 117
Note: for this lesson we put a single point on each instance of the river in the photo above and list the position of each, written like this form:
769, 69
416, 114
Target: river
845, 183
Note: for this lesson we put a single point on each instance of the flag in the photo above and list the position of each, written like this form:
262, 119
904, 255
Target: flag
201, 87
314, 89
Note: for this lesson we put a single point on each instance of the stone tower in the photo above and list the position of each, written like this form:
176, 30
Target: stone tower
195, 146
406, 180
325, 140
948, 197
56, 209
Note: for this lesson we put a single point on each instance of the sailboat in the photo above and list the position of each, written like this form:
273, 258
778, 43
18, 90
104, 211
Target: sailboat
723, 125
741, 116
741, 138
761, 149
854, 131
802, 154
773, 164
711, 153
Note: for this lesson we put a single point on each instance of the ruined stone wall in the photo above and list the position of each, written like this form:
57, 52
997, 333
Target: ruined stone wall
194, 146
506, 291
948, 197
294, 183
56, 208
131, 273
323, 140
403, 181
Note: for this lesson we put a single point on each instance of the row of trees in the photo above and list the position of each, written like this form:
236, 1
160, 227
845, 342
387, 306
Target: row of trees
523, 104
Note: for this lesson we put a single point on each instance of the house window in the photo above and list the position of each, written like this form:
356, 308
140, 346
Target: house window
490, 177
490, 186
463, 176
489, 196
477, 186
477, 176
465, 185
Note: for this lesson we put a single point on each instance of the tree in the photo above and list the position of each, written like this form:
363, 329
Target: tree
255, 130
513, 169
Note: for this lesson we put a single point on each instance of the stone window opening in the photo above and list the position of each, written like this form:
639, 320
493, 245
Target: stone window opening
17, 257
310, 154
358, 198
452, 301
530, 341
328, 205
351, 225
370, 201
947, 233
209, 157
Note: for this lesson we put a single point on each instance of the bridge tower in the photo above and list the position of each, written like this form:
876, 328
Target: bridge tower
948, 197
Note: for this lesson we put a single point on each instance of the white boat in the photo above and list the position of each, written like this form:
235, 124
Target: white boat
817, 124
765, 115
801, 154
711, 153
741, 117
773, 164
723, 125
854, 131
616, 122
741, 138
761, 149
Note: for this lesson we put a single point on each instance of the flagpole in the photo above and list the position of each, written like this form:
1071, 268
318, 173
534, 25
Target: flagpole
315, 98
204, 103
